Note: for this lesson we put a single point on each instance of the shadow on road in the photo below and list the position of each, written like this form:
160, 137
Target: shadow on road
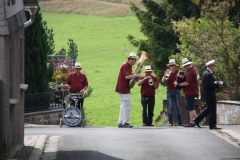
84, 155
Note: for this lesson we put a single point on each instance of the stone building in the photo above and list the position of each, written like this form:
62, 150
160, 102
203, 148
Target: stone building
12, 23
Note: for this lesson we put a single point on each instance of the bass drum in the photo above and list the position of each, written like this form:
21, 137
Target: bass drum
72, 116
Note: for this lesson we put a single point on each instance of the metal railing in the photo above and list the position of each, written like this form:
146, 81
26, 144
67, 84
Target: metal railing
44, 101
48, 100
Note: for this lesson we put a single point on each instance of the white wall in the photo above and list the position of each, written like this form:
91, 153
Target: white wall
13, 9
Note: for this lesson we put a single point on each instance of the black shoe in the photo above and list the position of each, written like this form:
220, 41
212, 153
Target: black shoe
215, 128
151, 125
120, 125
197, 123
180, 124
127, 125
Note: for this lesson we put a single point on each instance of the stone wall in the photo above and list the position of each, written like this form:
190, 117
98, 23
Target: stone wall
51, 117
228, 112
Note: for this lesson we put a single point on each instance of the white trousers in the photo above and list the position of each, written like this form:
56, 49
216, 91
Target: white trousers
125, 107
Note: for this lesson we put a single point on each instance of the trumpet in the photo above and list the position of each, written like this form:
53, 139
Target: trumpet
168, 73
150, 81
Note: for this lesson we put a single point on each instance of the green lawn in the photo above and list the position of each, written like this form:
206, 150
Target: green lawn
102, 48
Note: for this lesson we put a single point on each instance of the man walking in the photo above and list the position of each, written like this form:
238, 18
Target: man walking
208, 95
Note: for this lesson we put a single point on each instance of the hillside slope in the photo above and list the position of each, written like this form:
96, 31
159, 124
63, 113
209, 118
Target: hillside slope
108, 8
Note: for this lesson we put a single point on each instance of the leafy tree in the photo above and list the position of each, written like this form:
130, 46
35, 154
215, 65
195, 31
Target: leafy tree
213, 36
156, 26
36, 51
72, 50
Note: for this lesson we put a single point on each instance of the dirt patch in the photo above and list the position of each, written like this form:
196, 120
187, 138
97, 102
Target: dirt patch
108, 8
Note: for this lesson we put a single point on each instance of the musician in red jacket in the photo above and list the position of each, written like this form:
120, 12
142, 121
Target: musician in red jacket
122, 87
149, 84
190, 89
173, 94
78, 82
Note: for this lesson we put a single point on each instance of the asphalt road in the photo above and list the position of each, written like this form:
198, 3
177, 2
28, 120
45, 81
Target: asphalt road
138, 143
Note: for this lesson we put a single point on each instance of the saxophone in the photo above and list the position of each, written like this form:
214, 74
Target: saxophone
145, 57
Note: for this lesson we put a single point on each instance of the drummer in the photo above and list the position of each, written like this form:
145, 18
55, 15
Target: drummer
78, 83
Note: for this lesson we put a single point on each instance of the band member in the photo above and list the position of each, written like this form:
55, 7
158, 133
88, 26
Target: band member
149, 84
78, 83
208, 95
173, 94
190, 89
122, 87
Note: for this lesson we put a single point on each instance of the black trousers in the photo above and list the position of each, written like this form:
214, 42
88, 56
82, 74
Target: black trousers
148, 103
211, 110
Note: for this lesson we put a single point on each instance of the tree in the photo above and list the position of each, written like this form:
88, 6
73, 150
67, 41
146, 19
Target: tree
72, 50
36, 51
213, 36
156, 26
50, 38
62, 52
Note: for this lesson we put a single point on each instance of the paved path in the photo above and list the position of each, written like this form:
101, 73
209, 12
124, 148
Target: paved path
111, 143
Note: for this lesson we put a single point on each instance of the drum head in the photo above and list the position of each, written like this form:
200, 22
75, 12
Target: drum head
72, 116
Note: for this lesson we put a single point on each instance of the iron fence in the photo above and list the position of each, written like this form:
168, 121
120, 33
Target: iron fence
45, 101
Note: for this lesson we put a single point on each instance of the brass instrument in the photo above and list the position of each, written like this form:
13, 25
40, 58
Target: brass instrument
150, 81
145, 57
167, 75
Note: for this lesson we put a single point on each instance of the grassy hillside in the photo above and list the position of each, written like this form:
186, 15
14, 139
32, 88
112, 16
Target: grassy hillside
102, 47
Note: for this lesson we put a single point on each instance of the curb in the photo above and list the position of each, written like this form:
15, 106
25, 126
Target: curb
232, 133
38, 148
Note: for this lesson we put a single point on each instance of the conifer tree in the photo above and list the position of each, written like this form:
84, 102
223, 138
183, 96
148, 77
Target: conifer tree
36, 51
156, 26
72, 50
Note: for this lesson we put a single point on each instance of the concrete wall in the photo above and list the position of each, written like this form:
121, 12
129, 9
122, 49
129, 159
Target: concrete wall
11, 76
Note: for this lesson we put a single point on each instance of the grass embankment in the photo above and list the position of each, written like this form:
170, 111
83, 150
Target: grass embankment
102, 48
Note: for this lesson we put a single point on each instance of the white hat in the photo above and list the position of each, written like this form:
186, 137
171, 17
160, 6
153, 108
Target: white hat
209, 63
185, 62
77, 65
132, 55
171, 62
148, 69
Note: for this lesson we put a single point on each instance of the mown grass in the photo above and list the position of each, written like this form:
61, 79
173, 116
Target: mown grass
102, 48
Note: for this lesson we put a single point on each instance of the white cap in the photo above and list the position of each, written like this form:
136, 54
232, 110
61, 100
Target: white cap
132, 55
209, 63
77, 65
148, 69
171, 62
185, 62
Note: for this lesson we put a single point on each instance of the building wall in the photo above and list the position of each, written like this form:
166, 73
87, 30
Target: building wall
11, 76
12, 9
